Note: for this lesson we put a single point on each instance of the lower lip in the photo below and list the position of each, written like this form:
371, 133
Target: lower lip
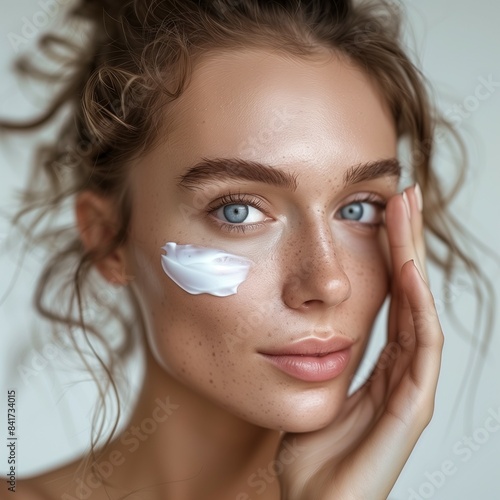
312, 368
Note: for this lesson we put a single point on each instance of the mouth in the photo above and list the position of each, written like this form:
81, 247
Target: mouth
312, 360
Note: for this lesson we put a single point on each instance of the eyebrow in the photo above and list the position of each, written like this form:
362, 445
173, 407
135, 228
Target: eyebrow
388, 167
222, 169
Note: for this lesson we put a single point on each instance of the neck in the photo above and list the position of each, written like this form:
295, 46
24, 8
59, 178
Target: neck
183, 446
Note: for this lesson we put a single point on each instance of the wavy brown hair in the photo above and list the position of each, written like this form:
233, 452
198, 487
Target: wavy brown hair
116, 85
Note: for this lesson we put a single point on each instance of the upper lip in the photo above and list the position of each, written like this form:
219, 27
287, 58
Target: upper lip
311, 346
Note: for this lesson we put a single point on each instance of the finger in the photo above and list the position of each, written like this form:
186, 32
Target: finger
415, 202
393, 306
385, 250
410, 406
400, 237
399, 232
429, 338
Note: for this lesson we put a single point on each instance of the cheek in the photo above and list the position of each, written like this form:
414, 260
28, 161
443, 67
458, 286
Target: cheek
369, 276
195, 338
365, 252
365, 265
208, 343
198, 340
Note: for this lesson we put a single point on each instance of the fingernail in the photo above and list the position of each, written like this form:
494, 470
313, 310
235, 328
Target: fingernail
407, 204
418, 270
418, 196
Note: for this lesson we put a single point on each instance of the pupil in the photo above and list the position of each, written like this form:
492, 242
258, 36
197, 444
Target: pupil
353, 211
236, 213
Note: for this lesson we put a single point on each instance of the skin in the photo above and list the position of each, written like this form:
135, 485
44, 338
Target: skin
316, 275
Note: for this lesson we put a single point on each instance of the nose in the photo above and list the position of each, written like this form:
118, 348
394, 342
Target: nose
316, 278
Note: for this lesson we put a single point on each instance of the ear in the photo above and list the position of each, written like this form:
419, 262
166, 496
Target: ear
97, 224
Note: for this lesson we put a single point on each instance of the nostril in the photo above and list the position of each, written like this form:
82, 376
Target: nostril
312, 303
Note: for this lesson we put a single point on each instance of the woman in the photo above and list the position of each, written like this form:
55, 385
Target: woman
234, 167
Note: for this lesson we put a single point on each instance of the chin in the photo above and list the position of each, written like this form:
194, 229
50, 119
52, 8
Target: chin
311, 423
309, 414
300, 424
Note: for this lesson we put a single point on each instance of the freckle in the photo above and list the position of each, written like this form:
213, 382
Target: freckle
213, 354
199, 343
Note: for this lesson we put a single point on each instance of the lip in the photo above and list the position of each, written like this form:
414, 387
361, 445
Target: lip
312, 360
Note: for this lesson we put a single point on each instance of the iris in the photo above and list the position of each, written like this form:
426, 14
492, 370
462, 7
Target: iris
236, 213
354, 211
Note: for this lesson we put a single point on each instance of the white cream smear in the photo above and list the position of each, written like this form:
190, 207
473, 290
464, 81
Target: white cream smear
199, 269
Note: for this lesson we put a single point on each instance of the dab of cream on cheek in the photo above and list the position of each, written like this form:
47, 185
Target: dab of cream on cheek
198, 269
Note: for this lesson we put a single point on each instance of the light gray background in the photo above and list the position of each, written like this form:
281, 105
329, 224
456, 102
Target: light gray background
457, 44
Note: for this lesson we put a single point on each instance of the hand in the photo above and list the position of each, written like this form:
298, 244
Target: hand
361, 453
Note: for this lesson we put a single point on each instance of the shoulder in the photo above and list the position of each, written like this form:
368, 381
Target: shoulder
28, 490
61, 483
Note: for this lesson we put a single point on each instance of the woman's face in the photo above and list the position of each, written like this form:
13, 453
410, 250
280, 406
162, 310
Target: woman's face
313, 234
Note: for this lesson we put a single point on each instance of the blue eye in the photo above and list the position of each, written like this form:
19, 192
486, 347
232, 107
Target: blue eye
354, 211
236, 213
362, 211
239, 212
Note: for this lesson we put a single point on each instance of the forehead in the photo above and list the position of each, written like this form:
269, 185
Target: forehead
264, 105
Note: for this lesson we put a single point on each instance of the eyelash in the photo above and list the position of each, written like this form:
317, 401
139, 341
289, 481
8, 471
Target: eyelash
372, 198
239, 199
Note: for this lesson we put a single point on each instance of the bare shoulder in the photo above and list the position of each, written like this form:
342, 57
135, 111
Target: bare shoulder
28, 490
107, 479
61, 483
